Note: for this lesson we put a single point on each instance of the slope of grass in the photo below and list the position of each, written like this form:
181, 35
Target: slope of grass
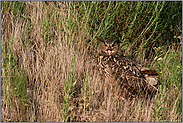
48, 65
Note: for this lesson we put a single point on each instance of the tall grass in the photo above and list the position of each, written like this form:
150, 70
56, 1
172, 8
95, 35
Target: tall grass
41, 82
68, 91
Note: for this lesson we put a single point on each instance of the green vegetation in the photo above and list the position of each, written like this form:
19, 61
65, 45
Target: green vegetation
68, 91
14, 78
46, 71
157, 115
84, 90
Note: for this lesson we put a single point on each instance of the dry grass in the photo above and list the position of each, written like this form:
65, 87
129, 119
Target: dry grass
47, 66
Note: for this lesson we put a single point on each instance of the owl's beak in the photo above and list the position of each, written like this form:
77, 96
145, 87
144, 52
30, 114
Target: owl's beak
109, 51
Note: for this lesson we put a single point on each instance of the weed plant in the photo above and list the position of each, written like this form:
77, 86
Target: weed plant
68, 91
14, 78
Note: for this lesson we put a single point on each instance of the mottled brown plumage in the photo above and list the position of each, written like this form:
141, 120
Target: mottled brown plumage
124, 75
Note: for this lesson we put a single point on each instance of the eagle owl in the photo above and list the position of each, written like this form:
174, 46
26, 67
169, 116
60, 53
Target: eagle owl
122, 74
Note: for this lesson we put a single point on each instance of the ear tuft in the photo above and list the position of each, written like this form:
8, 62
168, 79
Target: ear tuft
116, 40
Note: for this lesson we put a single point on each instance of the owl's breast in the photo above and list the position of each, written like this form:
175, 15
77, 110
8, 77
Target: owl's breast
106, 65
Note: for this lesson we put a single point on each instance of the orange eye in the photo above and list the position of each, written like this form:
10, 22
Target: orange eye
113, 45
105, 45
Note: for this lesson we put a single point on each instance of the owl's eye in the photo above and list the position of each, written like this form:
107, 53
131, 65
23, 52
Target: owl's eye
113, 45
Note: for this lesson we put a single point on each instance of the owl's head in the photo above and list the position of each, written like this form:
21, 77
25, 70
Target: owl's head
108, 47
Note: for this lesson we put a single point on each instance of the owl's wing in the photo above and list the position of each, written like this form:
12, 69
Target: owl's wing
131, 77
150, 75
